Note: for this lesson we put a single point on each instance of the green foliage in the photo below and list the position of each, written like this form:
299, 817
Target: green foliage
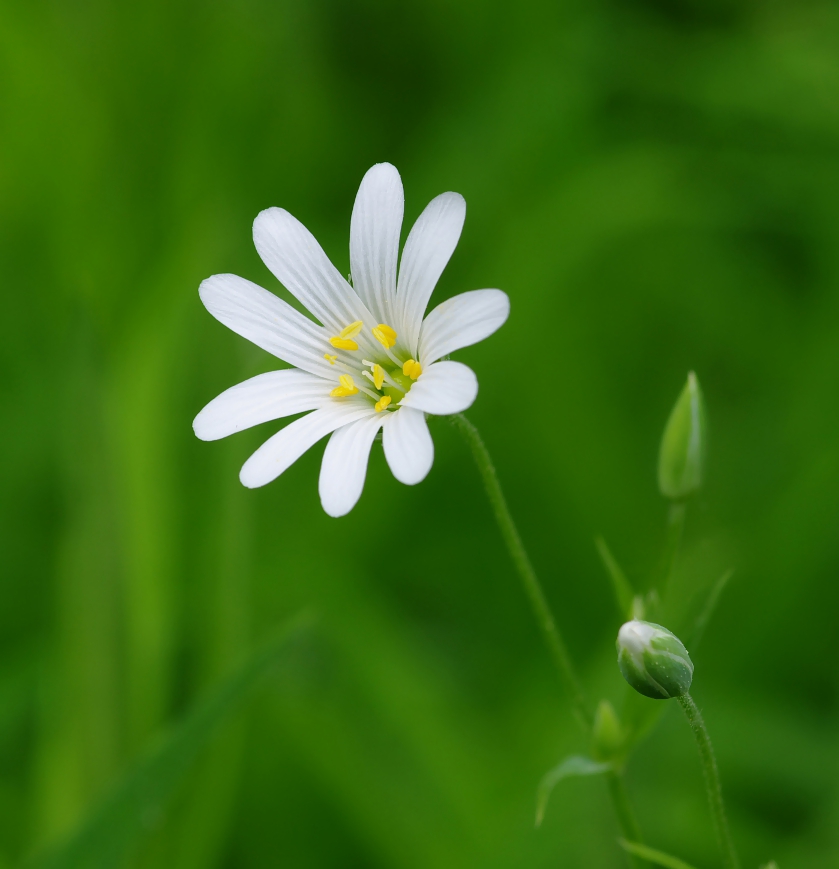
657, 858
573, 766
684, 444
140, 798
711, 602
655, 186
624, 596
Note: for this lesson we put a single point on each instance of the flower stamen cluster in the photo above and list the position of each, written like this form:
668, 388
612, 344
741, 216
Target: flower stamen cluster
390, 387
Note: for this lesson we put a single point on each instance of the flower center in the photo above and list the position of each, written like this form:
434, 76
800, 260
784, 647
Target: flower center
389, 378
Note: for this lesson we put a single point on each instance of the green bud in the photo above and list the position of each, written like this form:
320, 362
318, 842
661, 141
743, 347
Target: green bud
681, 458
653, 661
607, 735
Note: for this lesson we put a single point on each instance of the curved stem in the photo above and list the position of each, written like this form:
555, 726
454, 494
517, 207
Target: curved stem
524, 568
712, 780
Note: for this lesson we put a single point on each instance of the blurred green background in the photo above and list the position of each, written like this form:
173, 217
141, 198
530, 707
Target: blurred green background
655, 183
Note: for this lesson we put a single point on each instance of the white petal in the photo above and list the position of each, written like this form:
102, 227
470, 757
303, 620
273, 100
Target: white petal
287, 445
374, 239
345, 465
429, 247
461, 321
260, 399
299, 263
268, 322
443, 388
408, 447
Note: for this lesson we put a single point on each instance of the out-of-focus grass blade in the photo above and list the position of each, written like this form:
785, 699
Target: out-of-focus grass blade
621, 586
575, 765
659, 858
708, 609
138, 800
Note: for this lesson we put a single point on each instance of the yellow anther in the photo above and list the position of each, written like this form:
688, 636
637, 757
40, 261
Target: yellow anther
382, 403
352, 330
329, 359
344, 339
412, 369
346, 388
378, 376
384, 335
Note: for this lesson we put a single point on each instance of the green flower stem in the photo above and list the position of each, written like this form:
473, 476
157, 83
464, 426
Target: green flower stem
712, 781
525, 570
675, 530
542, 610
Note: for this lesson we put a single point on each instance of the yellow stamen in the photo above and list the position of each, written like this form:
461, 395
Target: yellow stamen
329, 359
346, 388
352, 330
382, 403
412, 369
378, 376
343, 340
384, 335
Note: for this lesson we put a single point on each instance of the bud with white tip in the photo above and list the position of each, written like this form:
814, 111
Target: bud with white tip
653, 661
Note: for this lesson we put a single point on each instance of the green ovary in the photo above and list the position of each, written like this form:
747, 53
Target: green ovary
404, 383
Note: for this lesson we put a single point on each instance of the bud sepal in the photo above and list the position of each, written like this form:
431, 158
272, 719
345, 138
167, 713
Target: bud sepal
608, 740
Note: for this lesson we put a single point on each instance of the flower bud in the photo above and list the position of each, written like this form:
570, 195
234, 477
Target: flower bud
653, 661
607, 741
681, 458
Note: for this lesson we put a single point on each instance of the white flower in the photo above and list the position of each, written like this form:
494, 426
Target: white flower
375, 363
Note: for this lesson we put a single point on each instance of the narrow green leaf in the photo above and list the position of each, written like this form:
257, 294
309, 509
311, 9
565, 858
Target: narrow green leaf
138, 801
659, 858
708, 609
620, 584
576, 765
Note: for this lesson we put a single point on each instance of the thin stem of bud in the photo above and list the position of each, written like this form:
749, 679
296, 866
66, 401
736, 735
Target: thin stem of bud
712, 781
675, 530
